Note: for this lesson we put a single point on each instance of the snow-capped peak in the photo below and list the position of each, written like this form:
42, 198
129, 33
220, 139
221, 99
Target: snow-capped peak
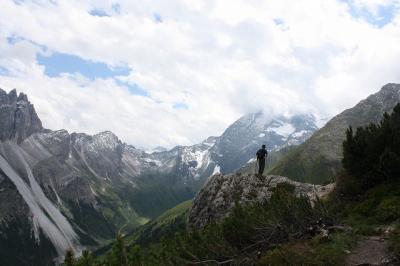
284, 129
106, 140
256, 120
210, 141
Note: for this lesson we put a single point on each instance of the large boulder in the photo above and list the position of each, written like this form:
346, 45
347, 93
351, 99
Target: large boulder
218, 196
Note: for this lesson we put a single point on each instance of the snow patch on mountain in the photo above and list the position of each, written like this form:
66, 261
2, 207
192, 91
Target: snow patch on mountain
299, 133
156, 149
155, 162
198, 156
210, 142
251, 160
256, 120
217, 170
104, 140
284, 130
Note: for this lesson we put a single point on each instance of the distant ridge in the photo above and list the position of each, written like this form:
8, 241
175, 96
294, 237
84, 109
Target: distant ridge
318, 159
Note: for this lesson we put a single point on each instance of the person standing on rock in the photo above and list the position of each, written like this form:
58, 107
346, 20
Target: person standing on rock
262, 155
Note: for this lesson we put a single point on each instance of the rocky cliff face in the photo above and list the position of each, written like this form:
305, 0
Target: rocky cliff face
18, 118
218, 196
62, 190
319, 159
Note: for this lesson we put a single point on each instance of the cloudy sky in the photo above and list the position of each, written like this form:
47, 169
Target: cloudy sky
175, 72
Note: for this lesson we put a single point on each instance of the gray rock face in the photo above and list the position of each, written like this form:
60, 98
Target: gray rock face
191, 164
242, 139
218, 196
54, 180
95, 184
18, 118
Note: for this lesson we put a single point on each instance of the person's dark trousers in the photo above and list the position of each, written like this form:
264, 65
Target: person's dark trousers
261, 166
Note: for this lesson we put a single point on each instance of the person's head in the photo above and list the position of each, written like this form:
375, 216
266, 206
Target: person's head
263, 146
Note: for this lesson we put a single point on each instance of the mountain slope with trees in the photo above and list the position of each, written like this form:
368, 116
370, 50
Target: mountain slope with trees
318, 160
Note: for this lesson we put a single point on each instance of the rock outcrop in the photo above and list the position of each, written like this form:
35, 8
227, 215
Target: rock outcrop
218, 196
18, 119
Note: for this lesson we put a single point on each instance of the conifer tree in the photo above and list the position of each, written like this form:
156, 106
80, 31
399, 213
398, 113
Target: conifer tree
371, 155
134, 256
86, 259
118, 256
69, 259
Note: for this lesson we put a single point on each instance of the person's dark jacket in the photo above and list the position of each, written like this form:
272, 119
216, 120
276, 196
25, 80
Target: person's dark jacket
261, 154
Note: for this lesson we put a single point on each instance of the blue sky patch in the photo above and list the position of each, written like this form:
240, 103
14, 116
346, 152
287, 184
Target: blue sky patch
278, 21
180, 106
157, 18
3, 71
98, 13
18, 2
58, 63
116, 8
384, 15
281, 24
13, 39
133, 88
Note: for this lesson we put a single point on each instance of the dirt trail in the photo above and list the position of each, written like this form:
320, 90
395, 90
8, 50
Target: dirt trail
370, 251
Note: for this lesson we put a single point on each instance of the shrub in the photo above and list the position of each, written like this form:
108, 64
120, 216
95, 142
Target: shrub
311, 252
371, 155
236, 239
389, 209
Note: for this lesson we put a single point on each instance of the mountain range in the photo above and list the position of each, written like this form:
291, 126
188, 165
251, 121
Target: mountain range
350, 213
61, 190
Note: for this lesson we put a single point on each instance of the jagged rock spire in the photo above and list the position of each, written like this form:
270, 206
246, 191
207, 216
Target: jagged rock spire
18, 118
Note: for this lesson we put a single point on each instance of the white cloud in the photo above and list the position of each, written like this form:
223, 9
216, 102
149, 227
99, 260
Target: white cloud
220, 58
374, 6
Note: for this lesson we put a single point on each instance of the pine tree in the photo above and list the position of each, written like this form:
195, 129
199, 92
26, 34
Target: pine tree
371, 155
118, 256
86, 259
69, 259
135, 256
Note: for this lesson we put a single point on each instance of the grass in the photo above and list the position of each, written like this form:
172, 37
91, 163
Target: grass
378, 207
173, 213
167, 224
307, 163
368, 214
312, 251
